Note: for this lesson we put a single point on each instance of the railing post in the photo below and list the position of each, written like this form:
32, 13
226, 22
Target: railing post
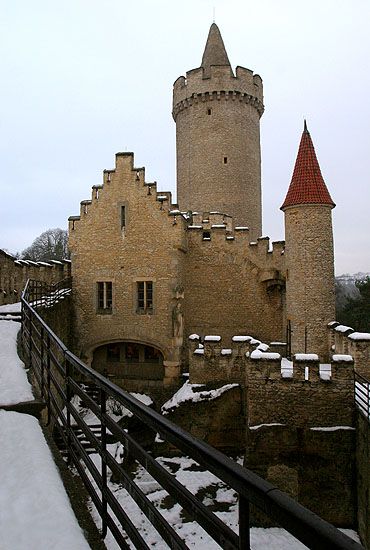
67, 369
42, 360
103, 410
30, 339
48, 400
244, 527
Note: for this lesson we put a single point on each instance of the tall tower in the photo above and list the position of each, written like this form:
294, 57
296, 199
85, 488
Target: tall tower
217, 117
310, 297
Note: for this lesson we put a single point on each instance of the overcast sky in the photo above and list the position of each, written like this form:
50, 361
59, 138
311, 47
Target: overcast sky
84, 79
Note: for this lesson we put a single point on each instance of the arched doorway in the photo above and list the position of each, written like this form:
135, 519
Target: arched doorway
129, 361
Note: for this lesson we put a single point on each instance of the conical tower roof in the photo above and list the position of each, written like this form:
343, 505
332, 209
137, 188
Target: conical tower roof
214, 52
307, 185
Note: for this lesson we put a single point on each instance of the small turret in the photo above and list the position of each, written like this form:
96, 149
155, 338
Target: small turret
309, 253
307, 185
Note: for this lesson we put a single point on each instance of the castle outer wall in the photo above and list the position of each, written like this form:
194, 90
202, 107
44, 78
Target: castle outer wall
15, 273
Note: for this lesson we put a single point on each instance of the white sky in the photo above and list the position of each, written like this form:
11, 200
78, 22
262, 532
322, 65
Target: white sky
84, 79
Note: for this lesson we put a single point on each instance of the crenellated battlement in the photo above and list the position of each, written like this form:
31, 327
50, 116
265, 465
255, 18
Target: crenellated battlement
269, 364
215, 227
245, 87
344, 340
302, 391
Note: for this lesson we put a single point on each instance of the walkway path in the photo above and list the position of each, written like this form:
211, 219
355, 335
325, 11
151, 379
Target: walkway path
35, 512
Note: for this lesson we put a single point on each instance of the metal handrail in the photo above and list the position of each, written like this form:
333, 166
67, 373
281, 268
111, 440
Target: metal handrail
362, 395
60, 373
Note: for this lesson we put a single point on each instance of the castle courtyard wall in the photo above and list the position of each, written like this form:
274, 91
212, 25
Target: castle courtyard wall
233, 286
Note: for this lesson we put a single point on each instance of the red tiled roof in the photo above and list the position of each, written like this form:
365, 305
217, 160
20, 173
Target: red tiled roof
307, 185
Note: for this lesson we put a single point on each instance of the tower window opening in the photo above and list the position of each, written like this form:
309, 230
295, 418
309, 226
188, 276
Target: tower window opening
206, 235
123, 217
225, 160
209, 111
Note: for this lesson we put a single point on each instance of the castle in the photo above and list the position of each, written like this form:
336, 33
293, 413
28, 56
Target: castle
148, 273
162, 289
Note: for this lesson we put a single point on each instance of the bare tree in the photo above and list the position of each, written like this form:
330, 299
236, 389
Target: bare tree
50, 245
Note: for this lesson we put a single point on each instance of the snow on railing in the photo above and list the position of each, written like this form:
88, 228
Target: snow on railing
362, 395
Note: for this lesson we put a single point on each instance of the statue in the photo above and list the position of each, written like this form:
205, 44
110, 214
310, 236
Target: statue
178, 321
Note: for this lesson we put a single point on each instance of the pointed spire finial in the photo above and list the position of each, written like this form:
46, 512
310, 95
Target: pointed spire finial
214, 52
305, 126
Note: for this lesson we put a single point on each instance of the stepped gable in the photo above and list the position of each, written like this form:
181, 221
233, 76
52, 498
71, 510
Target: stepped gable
215, 51
307, 185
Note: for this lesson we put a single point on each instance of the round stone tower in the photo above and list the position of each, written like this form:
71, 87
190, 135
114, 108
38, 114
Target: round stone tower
309, 254
217, 118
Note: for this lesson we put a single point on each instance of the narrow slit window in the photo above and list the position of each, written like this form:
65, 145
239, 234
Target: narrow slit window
209, 111
123, 217
225, 160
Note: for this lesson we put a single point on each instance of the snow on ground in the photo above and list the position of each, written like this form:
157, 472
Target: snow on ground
35, 512
11, 307
14, 386
209, 489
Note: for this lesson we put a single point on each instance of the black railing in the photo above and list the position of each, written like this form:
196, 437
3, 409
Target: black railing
362, 395
42, 294
61, 375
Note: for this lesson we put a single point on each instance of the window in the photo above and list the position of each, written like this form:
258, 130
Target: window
123, 217
225, 160
145, 297
113, 353
132, 353
206, 235
209, 111
105, 293
152, 355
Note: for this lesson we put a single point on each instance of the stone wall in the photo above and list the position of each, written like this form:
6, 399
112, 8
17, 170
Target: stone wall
300, 430
219, 421
363, 478
234, 286
294, 400
305, 394
15, 273
60, 319
317, 468
344, 340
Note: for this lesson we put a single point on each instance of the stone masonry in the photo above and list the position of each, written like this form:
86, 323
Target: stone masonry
218, 138
15, 273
